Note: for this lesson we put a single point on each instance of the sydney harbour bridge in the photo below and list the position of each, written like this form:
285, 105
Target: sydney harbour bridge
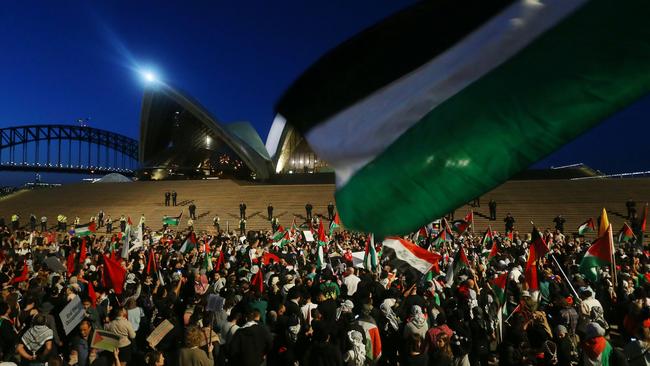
66, 148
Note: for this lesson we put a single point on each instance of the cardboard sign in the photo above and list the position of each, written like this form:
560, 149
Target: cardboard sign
308, 235
72, 314
206, 337
105, 340
159, 333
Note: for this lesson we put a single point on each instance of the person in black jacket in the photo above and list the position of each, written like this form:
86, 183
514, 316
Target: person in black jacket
631, 206
174, 195
192, 209
559, 223
510, 222
308, 208
493, 210
330, 211
8, 336
251, 342
167, 197
269, 210
242, 210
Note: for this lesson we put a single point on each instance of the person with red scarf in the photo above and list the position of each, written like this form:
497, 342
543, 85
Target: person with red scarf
597, 350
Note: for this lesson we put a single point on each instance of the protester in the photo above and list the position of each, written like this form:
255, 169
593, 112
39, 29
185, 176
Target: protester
294, 302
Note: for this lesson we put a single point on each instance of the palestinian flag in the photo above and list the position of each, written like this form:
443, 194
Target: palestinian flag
279, 234
257, 282
189, 244
335, 223
456, 266
494, 251
440, 239
284, 240
413, 112
420, 235
603, 224
320, 256
85, 229
499, 287
488, 238
208, 262
172, 221
598, 255
370, 260
294, 228
407, 255
460, 226
626, 234
587, 227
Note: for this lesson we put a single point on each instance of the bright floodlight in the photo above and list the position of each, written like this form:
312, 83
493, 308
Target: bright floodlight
149, 76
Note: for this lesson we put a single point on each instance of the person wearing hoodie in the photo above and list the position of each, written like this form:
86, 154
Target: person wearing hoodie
597, 351
416, 323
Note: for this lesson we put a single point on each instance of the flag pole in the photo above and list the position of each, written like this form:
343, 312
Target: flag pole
565, 277
613, 253
472, 211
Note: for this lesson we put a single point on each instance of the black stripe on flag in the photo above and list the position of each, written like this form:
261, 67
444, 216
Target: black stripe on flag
381, 54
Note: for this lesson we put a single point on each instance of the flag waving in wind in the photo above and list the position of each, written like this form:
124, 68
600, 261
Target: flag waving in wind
387, 108
370, 260
587, 227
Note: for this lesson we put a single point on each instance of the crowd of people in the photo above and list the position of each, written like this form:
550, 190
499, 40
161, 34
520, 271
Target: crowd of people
256, 299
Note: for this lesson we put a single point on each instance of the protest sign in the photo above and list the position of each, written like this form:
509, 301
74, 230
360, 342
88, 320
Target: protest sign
105, 340
159, 333
72, 314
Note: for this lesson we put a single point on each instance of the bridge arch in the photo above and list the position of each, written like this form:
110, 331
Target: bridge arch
66, 148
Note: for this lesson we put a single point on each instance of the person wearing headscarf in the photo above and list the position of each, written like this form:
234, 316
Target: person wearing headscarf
389, 329
36, 344
356, 355
597, 351
416, 323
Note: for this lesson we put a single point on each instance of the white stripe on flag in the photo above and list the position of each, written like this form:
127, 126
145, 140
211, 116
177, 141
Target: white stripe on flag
407, 256
367, 128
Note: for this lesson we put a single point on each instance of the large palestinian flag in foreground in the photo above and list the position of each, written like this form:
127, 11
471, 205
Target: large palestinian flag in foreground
447, 99
408, 255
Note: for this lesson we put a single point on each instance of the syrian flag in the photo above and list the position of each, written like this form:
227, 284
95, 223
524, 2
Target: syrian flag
626, 234
370, 260
172, 221
459, 263
408, 255
587, 227
85, 229
387, 108
499, 287
598, 255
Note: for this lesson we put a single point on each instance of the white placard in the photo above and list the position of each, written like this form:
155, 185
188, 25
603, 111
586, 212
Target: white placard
72, 314
308, 235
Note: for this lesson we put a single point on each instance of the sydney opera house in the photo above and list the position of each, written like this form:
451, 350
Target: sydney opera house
180, 139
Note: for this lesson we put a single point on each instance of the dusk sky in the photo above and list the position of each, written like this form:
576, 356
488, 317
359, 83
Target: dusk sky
62, 61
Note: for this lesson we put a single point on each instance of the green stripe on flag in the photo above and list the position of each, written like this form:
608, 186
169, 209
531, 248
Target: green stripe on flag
591, 65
